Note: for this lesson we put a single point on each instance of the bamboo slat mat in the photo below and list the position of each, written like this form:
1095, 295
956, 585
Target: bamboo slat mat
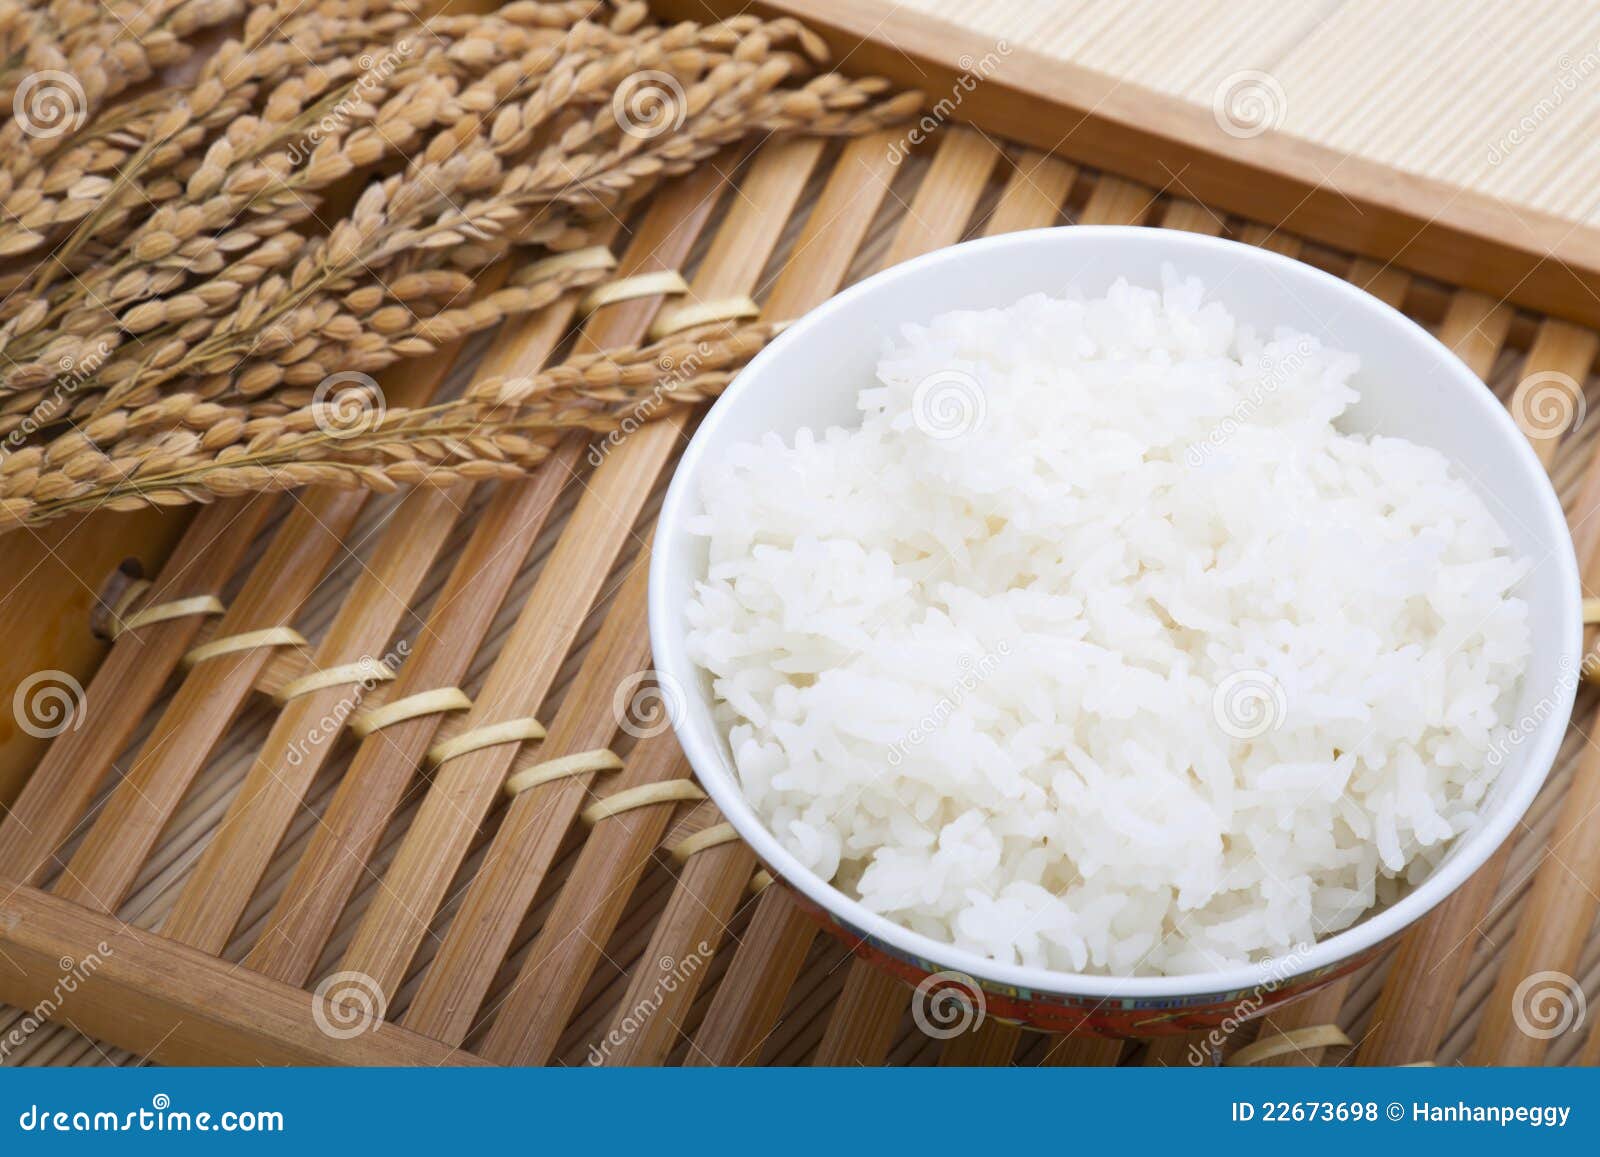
1499, 98
513, 929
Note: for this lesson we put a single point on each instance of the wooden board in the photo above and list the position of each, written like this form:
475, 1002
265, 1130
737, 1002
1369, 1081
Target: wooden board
1493, 98
1460, 233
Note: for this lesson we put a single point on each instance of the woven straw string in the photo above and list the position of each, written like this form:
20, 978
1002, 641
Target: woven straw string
361, 671
654, 284
245, 641
411, 707
511, 731
601, 759
688, 314
1319, 1036
122, 621
667, 791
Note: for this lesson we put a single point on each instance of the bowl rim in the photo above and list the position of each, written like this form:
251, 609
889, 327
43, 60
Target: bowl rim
672, 662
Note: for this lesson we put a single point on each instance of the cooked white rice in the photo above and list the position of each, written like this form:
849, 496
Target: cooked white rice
1097, 647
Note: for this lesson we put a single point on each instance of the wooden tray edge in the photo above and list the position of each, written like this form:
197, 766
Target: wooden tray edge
1466, 238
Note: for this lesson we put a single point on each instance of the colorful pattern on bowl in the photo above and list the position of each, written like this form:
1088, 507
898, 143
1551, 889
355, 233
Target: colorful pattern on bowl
1065, 1012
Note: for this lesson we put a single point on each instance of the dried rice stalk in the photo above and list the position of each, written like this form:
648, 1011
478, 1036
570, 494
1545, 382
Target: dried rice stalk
187, 449
178, 269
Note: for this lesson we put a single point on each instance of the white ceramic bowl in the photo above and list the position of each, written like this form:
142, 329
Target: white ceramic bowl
1410, 386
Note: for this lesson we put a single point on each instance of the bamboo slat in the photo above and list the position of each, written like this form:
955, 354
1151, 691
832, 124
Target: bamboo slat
692, 926
537, 820
1475, 327
1033, 196
1566, 352
297, 747
332, 863
1117, 202
862, 1026
1192, 217
991, 1043
529, 1018
749, 1001
949, 192
103, 868
464, 788
174, 1003
1081, 1050
1175, 1052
